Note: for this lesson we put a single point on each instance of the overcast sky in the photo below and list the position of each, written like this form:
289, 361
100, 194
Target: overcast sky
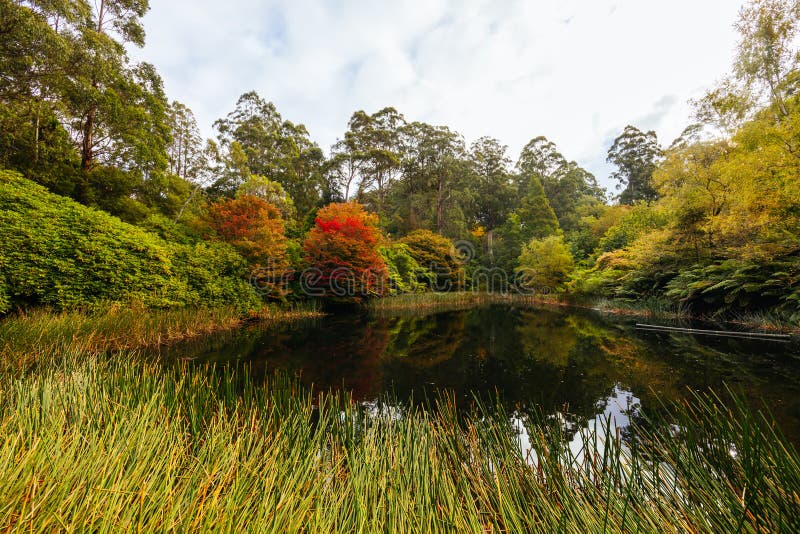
576, 71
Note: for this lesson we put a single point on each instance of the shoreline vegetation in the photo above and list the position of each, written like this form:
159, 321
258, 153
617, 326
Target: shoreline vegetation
31, 338
195, 447
155, 446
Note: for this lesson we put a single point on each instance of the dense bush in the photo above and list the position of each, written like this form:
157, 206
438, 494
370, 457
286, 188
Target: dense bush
57, 252
735, 285
404, 271
636, 222
436, 254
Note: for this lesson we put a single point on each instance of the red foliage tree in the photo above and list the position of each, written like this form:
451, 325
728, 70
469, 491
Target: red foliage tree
255, 228
342, 251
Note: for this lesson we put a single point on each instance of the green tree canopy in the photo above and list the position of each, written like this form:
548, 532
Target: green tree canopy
636, 155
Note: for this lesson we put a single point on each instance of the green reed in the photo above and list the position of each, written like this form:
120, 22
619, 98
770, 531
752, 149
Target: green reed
648, 307
120, 444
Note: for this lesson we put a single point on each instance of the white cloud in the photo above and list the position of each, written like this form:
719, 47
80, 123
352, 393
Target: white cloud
576, 71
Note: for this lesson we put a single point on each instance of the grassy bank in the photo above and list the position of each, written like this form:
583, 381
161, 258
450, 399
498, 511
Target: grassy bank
41, 334
120, 445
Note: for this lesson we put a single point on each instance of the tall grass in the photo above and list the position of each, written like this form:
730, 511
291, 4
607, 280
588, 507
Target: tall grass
36, 336
649, 307
656, 308
118, 444
770, 320
460, 300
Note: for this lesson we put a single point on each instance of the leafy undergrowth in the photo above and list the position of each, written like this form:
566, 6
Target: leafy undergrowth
118, 444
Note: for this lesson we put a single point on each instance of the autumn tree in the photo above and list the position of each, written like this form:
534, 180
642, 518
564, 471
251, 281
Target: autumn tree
255, 228
342, 253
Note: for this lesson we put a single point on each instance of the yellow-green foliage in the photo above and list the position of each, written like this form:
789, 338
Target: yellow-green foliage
59, 253
435, 253
545, 263
725, 233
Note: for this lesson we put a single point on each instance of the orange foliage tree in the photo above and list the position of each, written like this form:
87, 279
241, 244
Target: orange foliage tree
255, 228
342, 252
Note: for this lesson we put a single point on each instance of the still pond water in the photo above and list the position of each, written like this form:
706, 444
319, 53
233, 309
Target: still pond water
578, 361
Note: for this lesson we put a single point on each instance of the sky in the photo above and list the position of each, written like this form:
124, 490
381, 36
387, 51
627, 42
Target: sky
575, 71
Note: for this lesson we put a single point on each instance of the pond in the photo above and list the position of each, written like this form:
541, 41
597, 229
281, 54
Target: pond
574, 361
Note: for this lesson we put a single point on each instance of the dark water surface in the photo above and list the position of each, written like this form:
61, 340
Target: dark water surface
560, 359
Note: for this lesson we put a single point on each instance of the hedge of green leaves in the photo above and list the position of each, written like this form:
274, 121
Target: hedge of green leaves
56, 252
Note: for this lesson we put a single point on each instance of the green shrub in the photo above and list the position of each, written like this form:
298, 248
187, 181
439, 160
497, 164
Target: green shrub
59, 253
5, 298
404, 271
435, 254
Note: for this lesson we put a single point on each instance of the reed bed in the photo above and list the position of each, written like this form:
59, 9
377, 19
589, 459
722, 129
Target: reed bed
650, 307
122, 445
33, 337
770, 321
460, 300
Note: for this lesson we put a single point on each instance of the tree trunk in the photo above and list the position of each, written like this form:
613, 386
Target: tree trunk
36, 133
87, 152
185, 204
347, 189
87, 155
439, 206
412, 217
